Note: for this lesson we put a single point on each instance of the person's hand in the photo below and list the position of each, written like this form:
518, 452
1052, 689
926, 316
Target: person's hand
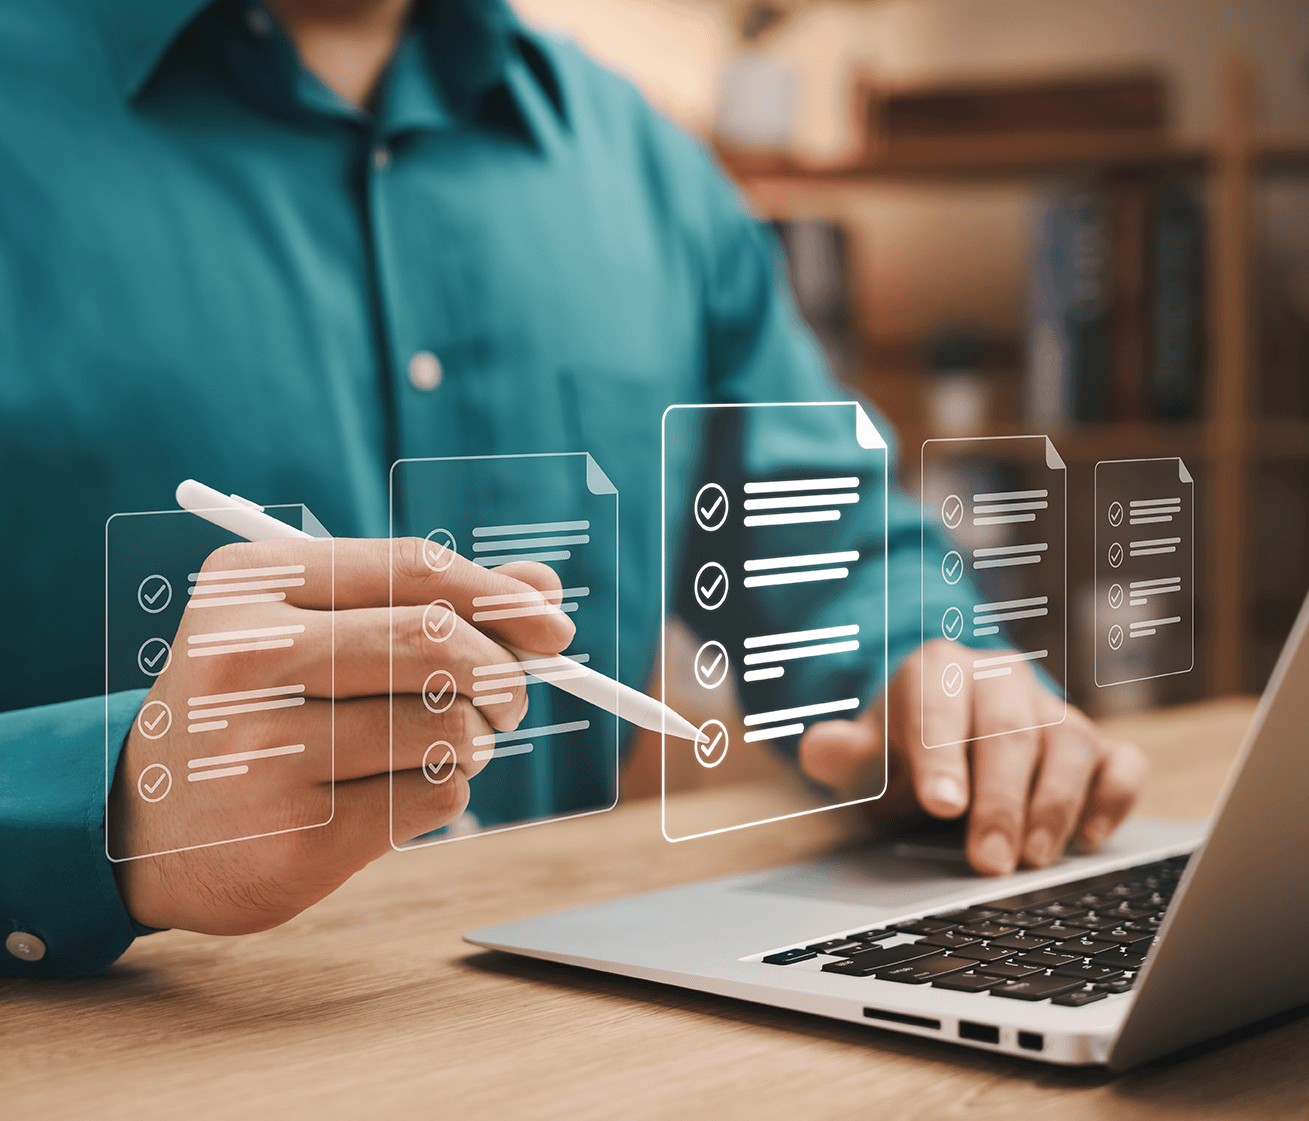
261, 882
1026, 793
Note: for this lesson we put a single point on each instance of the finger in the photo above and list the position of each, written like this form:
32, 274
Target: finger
344, 573
922, 713
1003, 762
1114, 789
843, 754
411, 804
1063, 774
374, 736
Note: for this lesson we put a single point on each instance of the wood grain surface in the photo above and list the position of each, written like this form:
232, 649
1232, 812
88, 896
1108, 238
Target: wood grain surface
371, 1006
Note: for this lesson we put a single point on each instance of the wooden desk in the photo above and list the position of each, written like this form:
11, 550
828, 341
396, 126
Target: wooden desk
370, 1005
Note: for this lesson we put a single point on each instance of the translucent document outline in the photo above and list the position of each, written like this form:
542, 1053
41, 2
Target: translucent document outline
1053, 462
597, 482
1183, 476
868, 437
309, 524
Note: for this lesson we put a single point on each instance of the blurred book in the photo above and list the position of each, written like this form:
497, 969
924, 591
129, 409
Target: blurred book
1068, 320
1175, 251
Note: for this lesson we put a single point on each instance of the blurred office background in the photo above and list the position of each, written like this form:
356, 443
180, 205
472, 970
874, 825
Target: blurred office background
1087, 218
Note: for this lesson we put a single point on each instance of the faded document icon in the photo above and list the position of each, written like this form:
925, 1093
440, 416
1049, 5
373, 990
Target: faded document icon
1144, 569
1002, 503
780, 571
562, 759
257, 719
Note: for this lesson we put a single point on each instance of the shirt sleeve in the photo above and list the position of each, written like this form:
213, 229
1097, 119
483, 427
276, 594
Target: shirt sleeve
56, 883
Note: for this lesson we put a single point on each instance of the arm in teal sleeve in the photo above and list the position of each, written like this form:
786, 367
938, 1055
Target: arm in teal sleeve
55, 880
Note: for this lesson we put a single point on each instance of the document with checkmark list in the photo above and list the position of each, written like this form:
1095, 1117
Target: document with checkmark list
560, 510
780, 572
1144, 570
162, 606
1004, 583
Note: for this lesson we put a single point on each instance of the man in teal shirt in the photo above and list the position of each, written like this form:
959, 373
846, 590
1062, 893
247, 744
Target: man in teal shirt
279, 248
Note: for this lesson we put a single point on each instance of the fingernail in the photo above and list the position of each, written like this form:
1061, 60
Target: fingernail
945, 793
1097, 829
995, 854
1040, 848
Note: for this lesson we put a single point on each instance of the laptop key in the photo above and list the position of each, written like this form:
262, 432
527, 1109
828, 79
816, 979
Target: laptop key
1023, 940
1057, 930
831, 944
868, 962
923, 970
922, 926
1047, 959
1060, 910
1085, 946
1036, 988
1116, 985
967, 915
1009, 970
1095, 920
1121, 936
1087, 971
983, 952
1027, 919
789, 957
970, 981
1078, 998
873, 935
1119, 958
950, 939
988, 929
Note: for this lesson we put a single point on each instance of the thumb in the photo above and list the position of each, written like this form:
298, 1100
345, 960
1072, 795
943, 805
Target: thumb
840, 753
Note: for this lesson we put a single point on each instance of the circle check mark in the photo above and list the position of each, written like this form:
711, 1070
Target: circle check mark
1115, 637
952, 624
714, 750
711, 665
439, 550
952, 511
952, 680
711, 586
439, 691
153, 657
439, 620
711, 507
154, 594
439, 763
1115, 514
1115, 554
952, 567
154, 720
1116, 596
154, 782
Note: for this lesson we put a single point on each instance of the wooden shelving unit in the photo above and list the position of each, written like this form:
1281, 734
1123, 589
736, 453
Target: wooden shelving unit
1229, 440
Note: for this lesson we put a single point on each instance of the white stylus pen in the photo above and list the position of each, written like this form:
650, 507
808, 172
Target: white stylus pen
247, 519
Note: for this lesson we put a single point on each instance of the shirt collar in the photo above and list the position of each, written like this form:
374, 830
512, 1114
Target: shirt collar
469, 45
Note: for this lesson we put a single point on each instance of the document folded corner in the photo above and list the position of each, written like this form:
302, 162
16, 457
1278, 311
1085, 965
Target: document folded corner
597, 482
1052, 458
866, 431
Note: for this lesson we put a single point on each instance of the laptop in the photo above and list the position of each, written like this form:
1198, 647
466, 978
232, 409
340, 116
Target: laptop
1170, 935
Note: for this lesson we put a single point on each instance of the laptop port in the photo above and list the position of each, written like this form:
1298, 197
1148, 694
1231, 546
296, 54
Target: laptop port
902, 1018
1031, 1041
982, 1033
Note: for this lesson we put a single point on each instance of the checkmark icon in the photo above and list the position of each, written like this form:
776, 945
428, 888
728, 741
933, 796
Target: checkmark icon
711, 507
436, 697
711, 664
708, 671
952, 680
153, 657
445, 765
151, 725
708, 514
952, 567
1116, 596
434, 625
952, 623
154, 593
711, 586
158, 592
713, 749
154, 783
439, 620
152, 662
952, 511
151, 787
439, 691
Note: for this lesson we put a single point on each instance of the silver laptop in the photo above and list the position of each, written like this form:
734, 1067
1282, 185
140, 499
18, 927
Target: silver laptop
1170, 935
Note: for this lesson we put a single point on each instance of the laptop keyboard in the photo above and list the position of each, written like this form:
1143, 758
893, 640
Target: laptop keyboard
1072, 944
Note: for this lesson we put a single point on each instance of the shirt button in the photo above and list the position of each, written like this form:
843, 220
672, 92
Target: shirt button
425, 371
259, 22
26, 946
381, 157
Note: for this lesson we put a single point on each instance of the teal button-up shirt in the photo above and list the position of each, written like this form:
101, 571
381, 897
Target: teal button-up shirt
211, 266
